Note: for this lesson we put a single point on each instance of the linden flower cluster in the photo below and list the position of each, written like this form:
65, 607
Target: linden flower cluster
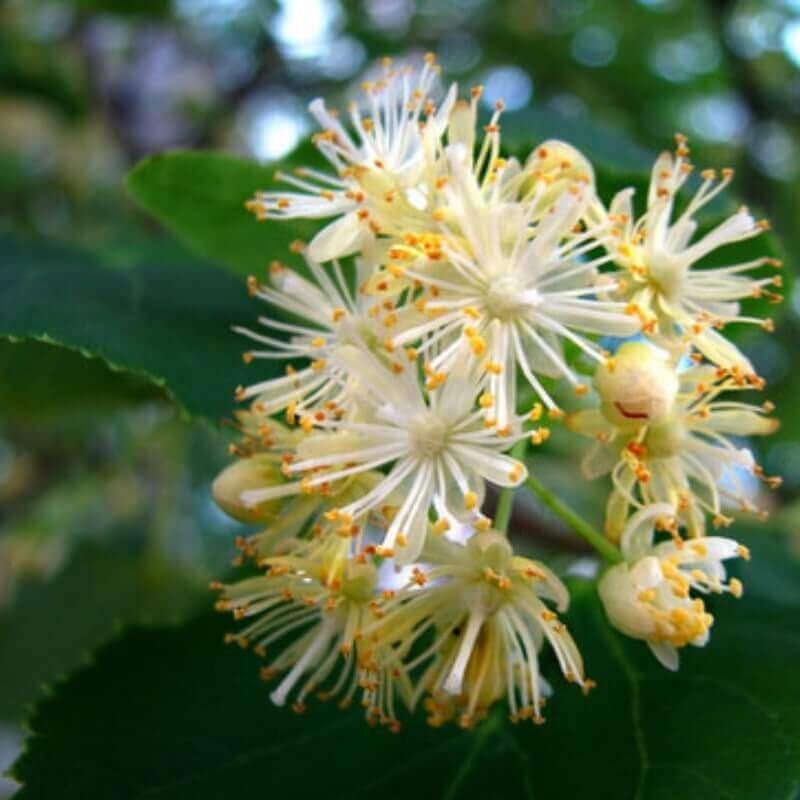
451, 300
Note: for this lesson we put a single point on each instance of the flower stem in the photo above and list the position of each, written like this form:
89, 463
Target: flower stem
506, 499
575, 521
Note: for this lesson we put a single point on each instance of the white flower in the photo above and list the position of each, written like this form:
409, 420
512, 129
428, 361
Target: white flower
330, 316
381, 165
664, 437
512, 283
649, 596
319, 600
254, 489
661, 255
435, 441
473, 624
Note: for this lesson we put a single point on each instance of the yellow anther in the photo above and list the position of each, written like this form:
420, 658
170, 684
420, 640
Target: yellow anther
478, 345
540, 435
441, 525
743, 552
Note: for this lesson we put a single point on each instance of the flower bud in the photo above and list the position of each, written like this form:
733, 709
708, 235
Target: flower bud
649, 597
256, 472
556, 165
637, 387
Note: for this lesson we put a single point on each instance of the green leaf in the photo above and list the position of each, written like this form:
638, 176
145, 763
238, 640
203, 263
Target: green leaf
172, 714
200, 197
85, 385
52, 623
170, 324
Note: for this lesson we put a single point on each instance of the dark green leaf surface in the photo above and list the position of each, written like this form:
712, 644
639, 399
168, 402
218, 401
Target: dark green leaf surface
171, 714
200, 197
85, 385
79, 609
171, 324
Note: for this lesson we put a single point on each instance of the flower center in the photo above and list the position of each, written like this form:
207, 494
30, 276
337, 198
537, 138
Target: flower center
357, 331
666, 439
505, 298
428, 435
666, 275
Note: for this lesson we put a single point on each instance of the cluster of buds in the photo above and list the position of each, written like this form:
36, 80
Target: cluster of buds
430, 330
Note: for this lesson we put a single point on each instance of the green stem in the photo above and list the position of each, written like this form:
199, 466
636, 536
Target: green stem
506, 499
576, 522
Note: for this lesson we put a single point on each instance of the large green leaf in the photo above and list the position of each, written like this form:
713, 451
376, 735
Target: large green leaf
171, 324
103, 585
85, 385
171, 713
200, 197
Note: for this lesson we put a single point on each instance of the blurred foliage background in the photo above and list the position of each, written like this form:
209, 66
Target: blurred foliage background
105, 511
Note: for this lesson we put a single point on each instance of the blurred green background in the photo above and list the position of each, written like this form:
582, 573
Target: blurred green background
105, 511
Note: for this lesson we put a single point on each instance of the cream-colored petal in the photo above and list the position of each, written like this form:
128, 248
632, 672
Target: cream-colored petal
588, 422
343, 237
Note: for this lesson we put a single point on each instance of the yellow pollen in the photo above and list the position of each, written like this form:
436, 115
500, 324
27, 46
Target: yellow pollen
516, 473
743, 552
486, 400
441, 525
540, 435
